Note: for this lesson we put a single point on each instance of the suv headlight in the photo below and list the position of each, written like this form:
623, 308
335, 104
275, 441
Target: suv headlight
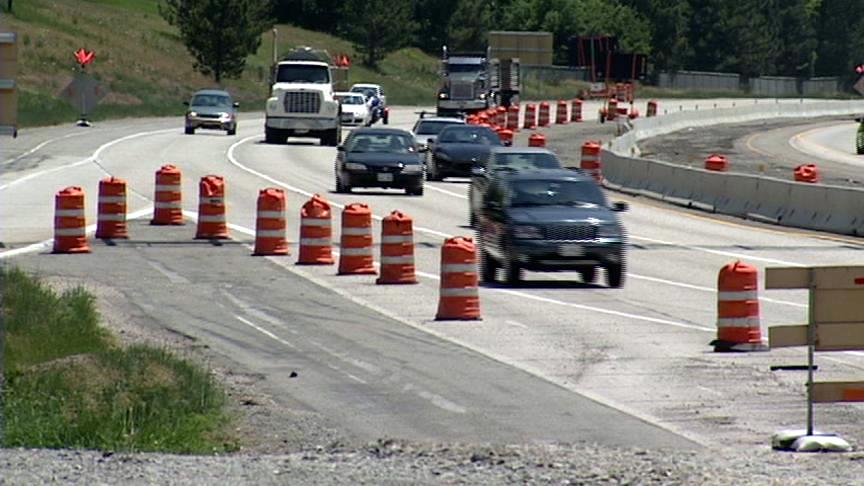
527, 232
191, 114
354, 166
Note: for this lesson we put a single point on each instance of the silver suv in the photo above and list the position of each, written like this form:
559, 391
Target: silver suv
211, 108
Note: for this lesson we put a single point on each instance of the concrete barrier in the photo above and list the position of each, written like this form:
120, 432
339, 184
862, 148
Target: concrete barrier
819, 207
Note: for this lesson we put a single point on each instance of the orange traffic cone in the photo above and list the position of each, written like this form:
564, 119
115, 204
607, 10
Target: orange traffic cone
111, 217
270, 223
459, 296
168, 209
211, 209
397, 250
70, 226
355, 255
738, 325
315, 233
590, 162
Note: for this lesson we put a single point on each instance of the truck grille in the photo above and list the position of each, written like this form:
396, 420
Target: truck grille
302, 102
579, 232
462, 91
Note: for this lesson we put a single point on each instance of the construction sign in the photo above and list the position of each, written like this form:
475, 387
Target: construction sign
84, 93
8, 85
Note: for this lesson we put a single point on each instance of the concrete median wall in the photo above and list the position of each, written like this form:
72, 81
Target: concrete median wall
812, 206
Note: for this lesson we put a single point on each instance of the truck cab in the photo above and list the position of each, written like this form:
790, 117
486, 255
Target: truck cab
301, 102
464, 84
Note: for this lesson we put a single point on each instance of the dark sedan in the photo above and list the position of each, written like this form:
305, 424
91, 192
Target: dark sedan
379, 157
458, 149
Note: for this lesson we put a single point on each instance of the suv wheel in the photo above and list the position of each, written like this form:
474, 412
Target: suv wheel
615, 275
232, 130
589, 275
512, 272
190, 131
432, 173
415, 190
340, 187
487, 267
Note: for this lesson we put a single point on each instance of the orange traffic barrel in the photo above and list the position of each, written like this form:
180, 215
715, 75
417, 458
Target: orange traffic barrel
212, 223
543, 119
807, 173
634, 112
270, 223
717, 163
397, 250
459, 294
513, 118
561, 117
652, 108
506, 136
576, 110
738, 326
537, 140
70, 225
355, 254
111, 214
530, 121
612, 109
590, 162
501, 116
167, 206
316, 247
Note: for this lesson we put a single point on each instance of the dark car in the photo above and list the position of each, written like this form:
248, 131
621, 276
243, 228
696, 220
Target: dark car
505, 159
548, 221
379, 157
211, 108
457, 149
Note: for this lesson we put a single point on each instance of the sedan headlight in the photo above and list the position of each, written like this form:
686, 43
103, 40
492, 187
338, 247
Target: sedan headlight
224, 116
354, 166
608, 231
192, 114
412, 169
527, 232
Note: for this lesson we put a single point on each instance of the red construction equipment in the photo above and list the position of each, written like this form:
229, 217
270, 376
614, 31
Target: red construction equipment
590, 162
355, 254
459, 295
315, 233
738, 325
397, 250
212, 223
167, 206
111, 214
718, 163
70, 226
270, 223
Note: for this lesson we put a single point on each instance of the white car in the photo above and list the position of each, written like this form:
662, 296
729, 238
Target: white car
369, 90
426, 128
355, 111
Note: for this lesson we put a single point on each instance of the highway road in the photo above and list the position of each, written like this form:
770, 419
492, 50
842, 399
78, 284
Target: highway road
553, 360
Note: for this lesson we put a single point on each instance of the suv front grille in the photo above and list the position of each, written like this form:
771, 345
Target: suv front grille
571, 232
462, 90
302, 102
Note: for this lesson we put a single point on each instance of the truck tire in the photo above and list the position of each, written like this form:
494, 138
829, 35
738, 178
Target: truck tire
331, 137
274, 135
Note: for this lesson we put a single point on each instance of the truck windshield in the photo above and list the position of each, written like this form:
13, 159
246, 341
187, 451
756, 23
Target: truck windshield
464, 68
302, 73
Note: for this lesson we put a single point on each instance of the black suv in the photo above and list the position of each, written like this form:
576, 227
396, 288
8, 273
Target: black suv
550, 220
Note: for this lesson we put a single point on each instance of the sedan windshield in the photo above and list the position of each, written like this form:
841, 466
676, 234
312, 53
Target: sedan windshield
353, 100
469, 134
556, 193
432, 127
380, 143
525, 161
302, 73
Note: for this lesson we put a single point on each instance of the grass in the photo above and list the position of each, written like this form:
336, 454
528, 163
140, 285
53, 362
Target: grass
67, 383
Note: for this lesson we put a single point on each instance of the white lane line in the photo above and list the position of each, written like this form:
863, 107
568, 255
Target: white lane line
173, 277
40, 147
719, 252
35, 247
517, 324
90, 159
708, 289
264, 331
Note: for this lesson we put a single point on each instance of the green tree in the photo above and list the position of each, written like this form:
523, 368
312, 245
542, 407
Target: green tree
219, 34
667, 20
378, 27
469, 25
432, 20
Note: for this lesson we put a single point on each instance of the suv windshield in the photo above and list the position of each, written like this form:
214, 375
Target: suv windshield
302, 73
468, 134
525, 161
380, 143
213, 100
433, 127
555, 193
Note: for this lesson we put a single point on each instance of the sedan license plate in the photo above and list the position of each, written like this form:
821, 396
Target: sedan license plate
384, 177
572, 250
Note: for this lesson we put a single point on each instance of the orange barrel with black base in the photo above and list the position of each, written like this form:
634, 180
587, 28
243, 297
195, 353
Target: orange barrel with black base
807, 173
513, 118
70, 225
316, 242
167, 206
738, 325
397, 250
543, 117
717, 163
355, 254
212, 224
537, 140
501, 116
590, 162
612, 109
459, 294
652, 108
530, 121
576, 110
506, 136
111, 213
270, 223
561, 117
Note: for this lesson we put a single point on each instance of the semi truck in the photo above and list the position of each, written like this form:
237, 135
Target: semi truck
472, 82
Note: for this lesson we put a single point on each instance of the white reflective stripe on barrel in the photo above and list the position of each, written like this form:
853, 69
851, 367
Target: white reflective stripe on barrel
459, 267
740, 295
314, 241
357, 251
464, 292
69, 213
397, 260
167, 187
270, 233
738, 321
397, 239
211, 200
357, 231
314, 222
271, 214
111, 217
214, 218
167, 205
112, 199
70, 231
